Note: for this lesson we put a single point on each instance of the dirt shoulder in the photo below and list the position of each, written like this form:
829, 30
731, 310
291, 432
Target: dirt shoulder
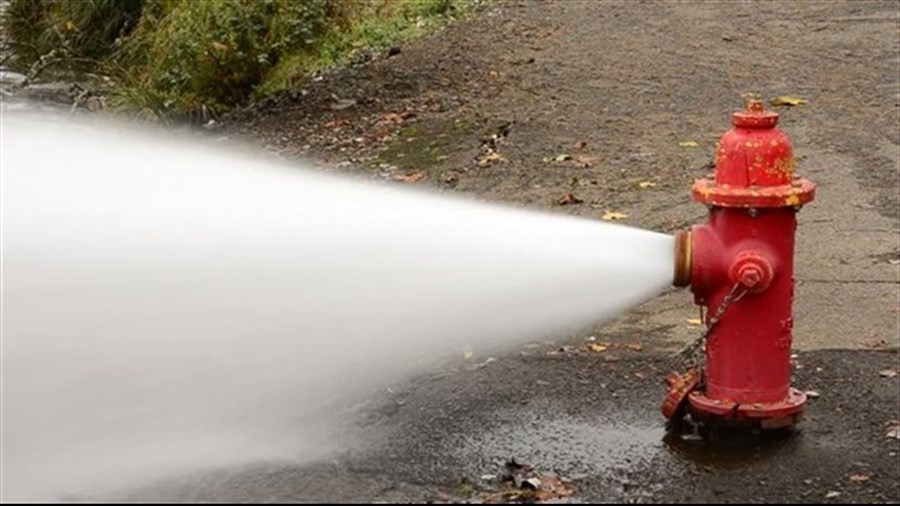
488, 106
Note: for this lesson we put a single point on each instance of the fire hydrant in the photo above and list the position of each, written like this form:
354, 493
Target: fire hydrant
740, 268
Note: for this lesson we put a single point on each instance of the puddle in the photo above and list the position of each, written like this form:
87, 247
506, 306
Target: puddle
563, 445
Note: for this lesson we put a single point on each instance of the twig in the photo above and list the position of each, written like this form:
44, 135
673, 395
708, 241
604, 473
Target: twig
39, 66
47, 61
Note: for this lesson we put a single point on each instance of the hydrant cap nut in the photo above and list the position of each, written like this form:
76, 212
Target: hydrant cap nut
750, 276
755, 116
752, 270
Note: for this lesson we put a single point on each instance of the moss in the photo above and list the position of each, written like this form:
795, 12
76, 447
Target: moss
423, 145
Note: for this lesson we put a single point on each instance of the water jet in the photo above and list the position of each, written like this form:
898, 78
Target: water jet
170, 305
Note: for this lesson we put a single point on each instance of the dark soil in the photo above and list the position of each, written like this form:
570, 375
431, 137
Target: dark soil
620, 84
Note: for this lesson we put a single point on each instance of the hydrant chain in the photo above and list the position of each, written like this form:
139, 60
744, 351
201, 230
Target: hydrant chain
692, 352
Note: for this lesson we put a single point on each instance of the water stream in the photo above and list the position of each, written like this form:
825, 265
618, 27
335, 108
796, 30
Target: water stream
170, 305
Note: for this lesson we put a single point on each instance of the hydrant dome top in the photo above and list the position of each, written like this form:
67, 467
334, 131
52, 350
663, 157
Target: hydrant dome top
754, 165
755, 116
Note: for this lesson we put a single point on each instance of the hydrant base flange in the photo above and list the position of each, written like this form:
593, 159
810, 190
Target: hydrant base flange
770, 415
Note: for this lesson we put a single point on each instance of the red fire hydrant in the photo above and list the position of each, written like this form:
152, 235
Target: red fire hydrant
740, 268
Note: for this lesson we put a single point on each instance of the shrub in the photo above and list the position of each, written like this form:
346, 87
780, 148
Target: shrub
209, 55
79, 31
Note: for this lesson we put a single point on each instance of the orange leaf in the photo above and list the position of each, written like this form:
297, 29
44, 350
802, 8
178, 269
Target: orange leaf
585, 161
568, 198
410, 178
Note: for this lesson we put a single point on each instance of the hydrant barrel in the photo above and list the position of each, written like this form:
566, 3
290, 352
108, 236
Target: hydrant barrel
748, 353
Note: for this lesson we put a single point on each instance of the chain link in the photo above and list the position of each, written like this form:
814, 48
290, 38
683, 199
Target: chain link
692, 354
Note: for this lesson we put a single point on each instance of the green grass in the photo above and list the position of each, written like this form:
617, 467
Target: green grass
376, 25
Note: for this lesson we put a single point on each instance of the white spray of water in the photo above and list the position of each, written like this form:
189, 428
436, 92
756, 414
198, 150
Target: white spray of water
168, 306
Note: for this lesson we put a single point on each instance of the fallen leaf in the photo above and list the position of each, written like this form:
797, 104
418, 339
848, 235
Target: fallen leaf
585, 161
531, 483
639, 375
812, 394
694, 321
635, 347
468, 354
389, 118
567, 199
564, 349
787, 100
336, 124
489, 158
614, 215
340, 105
874, 345
70, 26
413, 177
893, 429
859, 478
832, 495
487, 362
553, 488
598, 348
646, 184
888, 373
558, 158
514, 467
689, 144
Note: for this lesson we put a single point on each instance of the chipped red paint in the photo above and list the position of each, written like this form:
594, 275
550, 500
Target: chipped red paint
754, 165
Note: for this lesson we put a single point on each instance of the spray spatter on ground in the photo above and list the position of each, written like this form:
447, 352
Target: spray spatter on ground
169, 306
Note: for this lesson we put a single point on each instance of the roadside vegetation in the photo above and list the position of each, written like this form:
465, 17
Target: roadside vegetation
193, 59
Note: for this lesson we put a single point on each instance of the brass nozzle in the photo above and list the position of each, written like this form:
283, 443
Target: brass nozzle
683, 256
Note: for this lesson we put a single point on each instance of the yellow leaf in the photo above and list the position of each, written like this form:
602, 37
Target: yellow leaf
489, 158
614, 215
689, 144
598, 348
646, 184
788, 100
695, 321
70, 26
469, 354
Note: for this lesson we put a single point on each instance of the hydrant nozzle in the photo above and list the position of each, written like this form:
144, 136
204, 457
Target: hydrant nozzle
682, 275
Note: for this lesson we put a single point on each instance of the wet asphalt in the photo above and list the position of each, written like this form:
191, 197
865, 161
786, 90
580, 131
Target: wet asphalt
591, 420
